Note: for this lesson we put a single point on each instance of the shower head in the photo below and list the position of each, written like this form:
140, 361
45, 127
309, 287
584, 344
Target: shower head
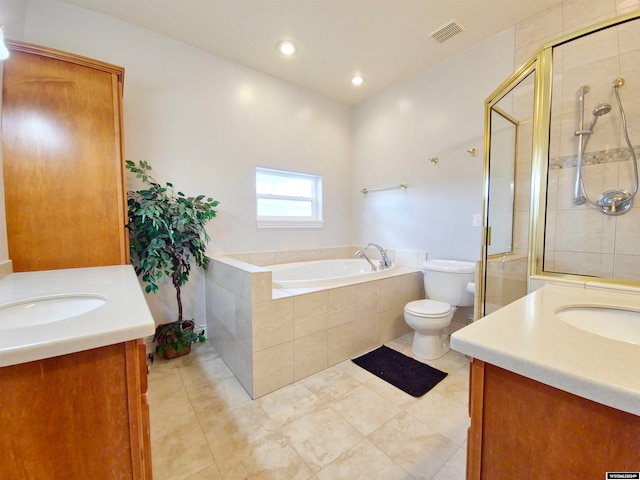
601, 109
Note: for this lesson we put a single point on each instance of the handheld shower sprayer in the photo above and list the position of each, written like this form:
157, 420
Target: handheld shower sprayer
599, 110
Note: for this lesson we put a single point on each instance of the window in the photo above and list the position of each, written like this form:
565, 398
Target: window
288, 199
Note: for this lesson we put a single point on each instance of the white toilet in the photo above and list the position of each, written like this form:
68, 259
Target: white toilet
446, 286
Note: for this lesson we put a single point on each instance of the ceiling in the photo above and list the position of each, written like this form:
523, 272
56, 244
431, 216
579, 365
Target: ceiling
385, 40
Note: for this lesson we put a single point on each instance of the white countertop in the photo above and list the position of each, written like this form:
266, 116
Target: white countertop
527, 338
124, 315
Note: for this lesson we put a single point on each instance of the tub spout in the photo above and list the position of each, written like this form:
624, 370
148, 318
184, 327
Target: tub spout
361, 254
386, 262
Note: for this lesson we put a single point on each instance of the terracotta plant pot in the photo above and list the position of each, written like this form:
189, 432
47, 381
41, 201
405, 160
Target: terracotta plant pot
165, 337
170, 353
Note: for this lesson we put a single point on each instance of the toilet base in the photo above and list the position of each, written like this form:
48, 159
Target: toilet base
430, 347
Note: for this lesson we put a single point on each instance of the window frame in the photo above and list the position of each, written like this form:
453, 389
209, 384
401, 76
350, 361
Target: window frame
315, 220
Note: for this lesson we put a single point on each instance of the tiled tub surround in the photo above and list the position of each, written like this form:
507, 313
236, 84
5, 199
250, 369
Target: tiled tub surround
271, 337
404, 258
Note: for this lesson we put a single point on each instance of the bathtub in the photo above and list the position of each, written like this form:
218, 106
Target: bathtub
322, 273
270, 335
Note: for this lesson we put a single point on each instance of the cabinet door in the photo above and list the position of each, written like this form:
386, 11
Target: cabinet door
62, 156
75, 417
521, 428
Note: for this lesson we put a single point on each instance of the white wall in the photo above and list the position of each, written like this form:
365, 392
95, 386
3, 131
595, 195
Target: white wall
436, 113
4, 248
12, 14
204, 123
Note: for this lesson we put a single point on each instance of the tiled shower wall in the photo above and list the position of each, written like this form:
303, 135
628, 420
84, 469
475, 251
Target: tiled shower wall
580, 239
506, 281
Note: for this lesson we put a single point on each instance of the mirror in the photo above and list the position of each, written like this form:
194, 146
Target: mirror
502, 174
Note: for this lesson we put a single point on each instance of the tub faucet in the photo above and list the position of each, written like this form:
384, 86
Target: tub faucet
361, 254
386, 262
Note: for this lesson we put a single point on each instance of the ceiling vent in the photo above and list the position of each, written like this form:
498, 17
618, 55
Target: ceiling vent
447, 31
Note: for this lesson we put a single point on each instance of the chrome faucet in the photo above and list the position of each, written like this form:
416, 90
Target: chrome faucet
386, 262
361, 254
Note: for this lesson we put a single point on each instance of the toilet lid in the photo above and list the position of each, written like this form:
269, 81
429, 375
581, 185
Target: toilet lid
427, 308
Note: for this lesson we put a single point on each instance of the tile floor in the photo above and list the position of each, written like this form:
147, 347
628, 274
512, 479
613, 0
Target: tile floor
341, 423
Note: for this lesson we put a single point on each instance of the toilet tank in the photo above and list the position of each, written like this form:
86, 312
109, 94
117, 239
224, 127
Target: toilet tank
446, 281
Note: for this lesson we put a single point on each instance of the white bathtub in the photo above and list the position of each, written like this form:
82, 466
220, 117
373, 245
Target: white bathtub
321, 273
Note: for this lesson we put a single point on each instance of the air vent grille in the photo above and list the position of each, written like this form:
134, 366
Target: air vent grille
447, 31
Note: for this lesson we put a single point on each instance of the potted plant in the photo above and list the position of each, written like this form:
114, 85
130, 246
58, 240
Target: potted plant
166, 232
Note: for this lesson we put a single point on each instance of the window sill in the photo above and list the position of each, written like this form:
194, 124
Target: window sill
290, 223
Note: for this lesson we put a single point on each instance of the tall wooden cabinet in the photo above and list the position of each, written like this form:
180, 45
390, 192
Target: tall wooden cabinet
62, 147
83, 415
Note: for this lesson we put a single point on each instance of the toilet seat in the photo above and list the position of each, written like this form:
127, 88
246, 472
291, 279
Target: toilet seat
428, 308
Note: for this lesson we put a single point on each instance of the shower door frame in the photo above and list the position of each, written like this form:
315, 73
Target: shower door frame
531, 66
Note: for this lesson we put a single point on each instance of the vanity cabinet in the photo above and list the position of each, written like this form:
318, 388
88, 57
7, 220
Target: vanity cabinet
62, 147
78, 416
521, 428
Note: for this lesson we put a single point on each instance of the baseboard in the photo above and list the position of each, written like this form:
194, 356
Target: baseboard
148, 341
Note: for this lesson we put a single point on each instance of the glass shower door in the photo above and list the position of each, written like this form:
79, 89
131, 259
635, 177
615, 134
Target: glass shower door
509, 136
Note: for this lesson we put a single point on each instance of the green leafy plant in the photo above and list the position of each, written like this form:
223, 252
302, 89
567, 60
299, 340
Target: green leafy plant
166, 233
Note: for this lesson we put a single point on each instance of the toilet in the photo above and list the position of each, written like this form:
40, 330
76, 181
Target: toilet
447, 284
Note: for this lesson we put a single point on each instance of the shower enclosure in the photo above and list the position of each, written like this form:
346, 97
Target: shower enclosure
573, 213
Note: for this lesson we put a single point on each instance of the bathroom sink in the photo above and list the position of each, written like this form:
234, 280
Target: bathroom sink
38, 311
607, 321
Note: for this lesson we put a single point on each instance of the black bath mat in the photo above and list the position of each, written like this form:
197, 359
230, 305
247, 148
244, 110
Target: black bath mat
409, 375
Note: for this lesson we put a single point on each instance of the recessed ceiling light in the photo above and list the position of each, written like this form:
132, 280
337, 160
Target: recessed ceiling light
357, 80
287, 47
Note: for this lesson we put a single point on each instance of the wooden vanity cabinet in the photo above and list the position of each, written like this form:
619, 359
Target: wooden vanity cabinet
521, 428
76, 417
62, 147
